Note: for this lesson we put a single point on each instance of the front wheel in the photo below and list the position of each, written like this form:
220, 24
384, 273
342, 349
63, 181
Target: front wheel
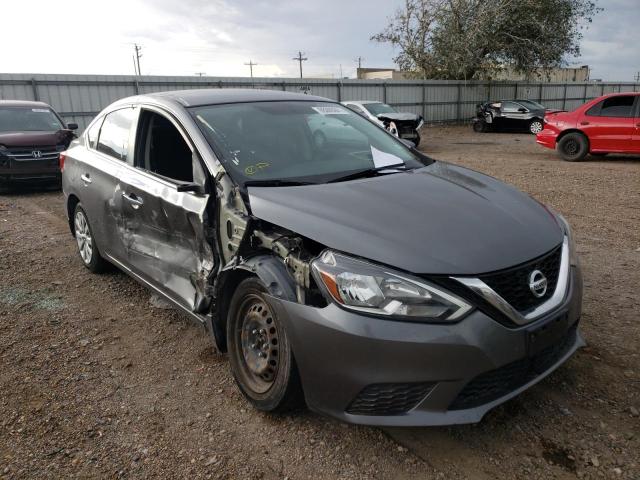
480, 126
535, 126
573, 147
87, 248
260, 354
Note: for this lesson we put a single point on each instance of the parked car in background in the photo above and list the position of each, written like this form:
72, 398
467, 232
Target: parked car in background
510, 115
32, 135
403, 125
363, 277
608, 124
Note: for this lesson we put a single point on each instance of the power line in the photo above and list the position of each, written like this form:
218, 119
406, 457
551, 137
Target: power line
300, 59
137, 55
251, 65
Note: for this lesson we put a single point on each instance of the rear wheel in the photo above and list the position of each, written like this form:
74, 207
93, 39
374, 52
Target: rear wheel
87, 248
535, 126
260, 354
573, 147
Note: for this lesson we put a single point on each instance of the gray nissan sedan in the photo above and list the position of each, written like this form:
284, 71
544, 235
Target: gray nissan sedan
355, 274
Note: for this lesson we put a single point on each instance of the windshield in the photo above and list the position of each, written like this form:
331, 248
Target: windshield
21, 119
314, 142
531, 104
378, 108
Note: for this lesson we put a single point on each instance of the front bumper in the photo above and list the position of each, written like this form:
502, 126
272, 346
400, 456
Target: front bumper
343, 356
32, 171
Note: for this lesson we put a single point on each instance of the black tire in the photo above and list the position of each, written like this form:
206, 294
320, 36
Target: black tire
573, 147
480, 126
417, 140
271, 383
87, 248
536, 126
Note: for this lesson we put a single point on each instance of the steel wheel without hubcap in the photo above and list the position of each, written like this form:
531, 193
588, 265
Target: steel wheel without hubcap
259, 342
571, 147
83, 237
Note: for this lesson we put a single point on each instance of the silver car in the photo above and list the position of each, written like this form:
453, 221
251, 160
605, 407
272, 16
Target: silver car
355, 275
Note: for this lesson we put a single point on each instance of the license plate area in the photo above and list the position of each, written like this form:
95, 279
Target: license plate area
547, 335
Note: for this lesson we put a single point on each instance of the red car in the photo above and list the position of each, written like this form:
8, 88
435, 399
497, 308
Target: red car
609, 124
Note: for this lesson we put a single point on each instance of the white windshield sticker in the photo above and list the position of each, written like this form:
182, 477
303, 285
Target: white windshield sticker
331, 110
40, 110
384, 159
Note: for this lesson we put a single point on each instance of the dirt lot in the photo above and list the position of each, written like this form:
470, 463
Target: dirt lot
96, 382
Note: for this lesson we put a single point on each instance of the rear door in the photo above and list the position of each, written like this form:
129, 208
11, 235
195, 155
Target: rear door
610, 124
107, 148
164, 226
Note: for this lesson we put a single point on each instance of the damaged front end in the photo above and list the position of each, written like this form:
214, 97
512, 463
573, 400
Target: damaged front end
402, 125
281, 259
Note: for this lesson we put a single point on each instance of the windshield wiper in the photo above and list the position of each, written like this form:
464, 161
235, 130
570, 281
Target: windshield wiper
370, 172
275, 183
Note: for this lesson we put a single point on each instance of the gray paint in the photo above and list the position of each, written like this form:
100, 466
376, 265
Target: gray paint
441, 219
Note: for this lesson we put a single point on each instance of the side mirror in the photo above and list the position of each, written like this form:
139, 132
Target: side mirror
72, 126
189, 187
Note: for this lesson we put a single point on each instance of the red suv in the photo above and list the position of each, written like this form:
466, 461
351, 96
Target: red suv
609, 124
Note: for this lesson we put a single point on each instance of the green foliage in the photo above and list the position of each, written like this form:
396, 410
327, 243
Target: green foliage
464, 39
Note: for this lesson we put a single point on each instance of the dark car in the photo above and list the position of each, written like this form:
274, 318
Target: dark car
375, 283
608, 124
32, 135
510, 115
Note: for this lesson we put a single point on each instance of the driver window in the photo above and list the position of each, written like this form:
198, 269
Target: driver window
162, 150
510, 107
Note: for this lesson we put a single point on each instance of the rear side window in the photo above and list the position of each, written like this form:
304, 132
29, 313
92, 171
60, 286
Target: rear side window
114, 134
93, 132
621, 106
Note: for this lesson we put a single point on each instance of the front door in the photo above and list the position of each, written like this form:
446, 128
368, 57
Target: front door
164, 225
609, 124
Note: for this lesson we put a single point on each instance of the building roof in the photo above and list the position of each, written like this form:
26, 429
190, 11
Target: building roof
215, 96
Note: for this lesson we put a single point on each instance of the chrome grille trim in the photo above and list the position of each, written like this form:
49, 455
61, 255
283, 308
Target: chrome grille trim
487, 293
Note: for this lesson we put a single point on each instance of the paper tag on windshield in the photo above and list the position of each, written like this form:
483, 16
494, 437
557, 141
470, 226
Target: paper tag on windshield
331, 110
40, 110
383, 159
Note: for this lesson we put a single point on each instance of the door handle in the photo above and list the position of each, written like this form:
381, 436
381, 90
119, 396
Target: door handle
85, 178
135, 201
584, 123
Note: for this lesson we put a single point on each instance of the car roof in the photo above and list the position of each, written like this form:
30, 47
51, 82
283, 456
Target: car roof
215, 96
23, 103
361, 102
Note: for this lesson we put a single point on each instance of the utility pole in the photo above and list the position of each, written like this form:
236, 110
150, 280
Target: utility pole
251, 65
359, 60
200, 74
300, 59
137, 55
637, 77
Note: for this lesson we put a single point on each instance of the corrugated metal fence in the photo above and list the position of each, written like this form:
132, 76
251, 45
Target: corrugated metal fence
78, 98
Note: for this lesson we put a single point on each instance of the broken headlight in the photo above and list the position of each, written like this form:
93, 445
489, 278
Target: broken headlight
365, 287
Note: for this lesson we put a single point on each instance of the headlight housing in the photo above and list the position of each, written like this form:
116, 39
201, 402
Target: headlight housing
365, 287
573, 254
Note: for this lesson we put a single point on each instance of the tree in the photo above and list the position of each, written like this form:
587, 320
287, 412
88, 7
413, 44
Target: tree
463, 39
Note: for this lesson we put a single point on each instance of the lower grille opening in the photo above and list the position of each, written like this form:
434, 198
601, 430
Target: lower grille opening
389, 398
494, 384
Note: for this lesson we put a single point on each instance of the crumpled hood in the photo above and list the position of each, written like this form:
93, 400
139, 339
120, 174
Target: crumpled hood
399, 117
35, 139
440, 219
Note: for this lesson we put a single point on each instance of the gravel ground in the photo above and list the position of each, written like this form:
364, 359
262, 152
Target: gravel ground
97, 381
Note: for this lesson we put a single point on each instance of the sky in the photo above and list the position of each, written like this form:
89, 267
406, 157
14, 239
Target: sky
217, 37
